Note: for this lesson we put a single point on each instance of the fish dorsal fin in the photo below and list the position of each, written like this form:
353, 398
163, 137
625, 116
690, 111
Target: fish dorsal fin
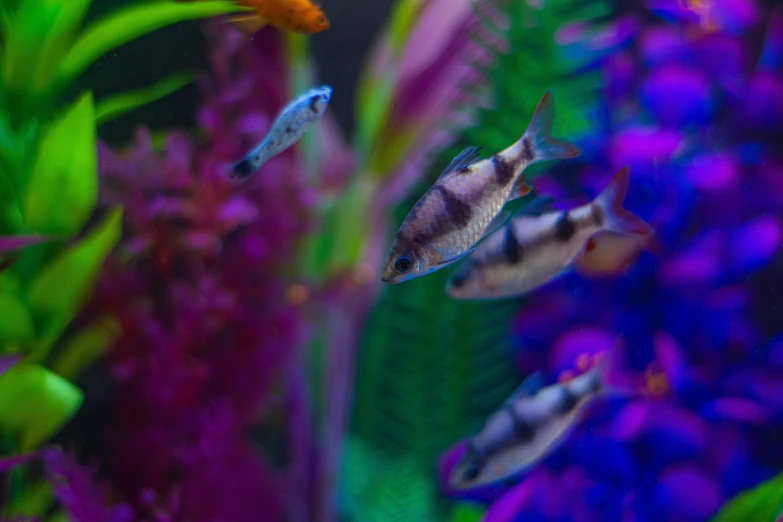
497, 222
528, 388
537, 206
466, 158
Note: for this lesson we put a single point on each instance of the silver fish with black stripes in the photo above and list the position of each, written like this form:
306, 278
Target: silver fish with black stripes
532, 422
534, 248
465, 202
289, 127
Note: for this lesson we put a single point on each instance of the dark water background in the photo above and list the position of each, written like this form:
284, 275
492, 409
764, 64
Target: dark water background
339, 53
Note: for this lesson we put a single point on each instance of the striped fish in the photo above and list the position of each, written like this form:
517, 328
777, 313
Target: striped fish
464, 204
533, 249
288, 128
528, 427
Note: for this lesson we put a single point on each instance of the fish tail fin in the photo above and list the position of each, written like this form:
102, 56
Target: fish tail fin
617, 218
617, 381
247, 23
607, 366
243, 168
543, 147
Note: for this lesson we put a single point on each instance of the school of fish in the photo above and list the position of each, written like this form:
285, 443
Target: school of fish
461, 218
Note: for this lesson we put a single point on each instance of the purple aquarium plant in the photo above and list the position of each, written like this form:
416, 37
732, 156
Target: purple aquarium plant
198, 285
688, 104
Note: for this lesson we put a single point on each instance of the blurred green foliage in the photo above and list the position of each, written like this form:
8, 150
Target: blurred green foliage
49, 187
431, 369
764, 503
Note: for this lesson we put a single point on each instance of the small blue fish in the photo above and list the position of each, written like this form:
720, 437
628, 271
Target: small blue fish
288, 128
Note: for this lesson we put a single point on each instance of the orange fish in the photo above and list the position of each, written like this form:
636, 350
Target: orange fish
294, 16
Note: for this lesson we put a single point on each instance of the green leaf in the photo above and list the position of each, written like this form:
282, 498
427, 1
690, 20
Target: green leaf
17, 155
16, 325
376, 86
85, 347
58, 292
34, 404
764, 503
467, 513
63, 188
132, 22
115, 106
402, 21
38, 38
34, 501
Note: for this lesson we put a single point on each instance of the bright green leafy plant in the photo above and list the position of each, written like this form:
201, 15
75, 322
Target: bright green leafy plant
48, 195
764, 503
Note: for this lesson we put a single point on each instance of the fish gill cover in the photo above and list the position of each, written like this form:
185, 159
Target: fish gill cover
229, 319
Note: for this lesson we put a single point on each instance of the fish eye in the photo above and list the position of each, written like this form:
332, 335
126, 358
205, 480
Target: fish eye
470, 473
403, 265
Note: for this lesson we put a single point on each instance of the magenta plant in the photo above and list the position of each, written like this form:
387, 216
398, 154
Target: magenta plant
206, 328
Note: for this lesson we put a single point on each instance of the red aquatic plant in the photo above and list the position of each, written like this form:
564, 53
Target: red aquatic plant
198, 288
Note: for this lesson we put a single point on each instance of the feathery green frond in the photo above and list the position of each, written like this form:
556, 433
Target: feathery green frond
534, 63
379, 489
432, 369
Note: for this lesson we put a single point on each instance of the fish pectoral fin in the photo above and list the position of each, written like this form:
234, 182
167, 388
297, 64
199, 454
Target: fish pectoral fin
247, 23
537, 206
608, 253
466, 158
497, 222
458, 257
520, 189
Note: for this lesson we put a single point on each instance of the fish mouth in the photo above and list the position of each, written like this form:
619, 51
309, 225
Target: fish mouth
390, 280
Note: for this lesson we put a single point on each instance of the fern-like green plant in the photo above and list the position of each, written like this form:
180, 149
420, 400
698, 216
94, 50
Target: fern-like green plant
431, 369
380, 489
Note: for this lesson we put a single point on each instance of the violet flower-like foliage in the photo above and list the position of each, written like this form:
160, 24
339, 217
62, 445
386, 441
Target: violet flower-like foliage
197, 287
693, 105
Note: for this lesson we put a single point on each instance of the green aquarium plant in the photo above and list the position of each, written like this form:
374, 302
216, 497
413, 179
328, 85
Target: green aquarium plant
764, 503
416, 388
52, 244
